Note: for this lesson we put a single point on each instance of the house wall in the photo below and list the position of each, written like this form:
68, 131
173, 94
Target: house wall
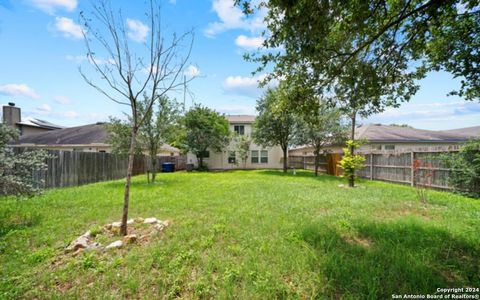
219, 160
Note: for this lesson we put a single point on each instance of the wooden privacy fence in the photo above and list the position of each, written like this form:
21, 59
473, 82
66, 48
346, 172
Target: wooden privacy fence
327, 164
395, 167
73, 168
399, 167
179, 161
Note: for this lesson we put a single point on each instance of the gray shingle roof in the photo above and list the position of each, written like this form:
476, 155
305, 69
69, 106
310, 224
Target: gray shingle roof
80, 135
387, 133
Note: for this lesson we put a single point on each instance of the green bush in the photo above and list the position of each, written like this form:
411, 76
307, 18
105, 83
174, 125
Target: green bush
351, 162
465, 165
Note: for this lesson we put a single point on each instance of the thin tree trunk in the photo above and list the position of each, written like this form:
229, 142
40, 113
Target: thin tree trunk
200, 163
351, 179
317, 160
154, 168
285, 159
126, 198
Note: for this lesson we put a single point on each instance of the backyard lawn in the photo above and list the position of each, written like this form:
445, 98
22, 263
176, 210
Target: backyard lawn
244, 234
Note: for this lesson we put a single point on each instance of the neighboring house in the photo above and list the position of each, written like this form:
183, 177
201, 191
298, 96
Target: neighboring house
86, 138
12, 116
259, 157
391, 138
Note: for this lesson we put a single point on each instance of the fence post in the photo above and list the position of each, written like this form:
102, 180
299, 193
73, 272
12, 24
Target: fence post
371, 166
412, 170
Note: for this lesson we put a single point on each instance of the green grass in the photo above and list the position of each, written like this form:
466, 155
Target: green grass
244, 234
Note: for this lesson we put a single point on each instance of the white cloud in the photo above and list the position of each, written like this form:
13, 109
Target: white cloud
246, 86
68, 28
192, 71
249, 42
232, 17
62, 100
137, 31
45, 108
70, 114
173, 2
49, 6
18, 90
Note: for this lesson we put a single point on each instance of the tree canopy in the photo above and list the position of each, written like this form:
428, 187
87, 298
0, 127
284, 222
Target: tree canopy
205, 129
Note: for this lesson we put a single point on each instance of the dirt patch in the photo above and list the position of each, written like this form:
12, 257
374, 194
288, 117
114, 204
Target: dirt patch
360, 241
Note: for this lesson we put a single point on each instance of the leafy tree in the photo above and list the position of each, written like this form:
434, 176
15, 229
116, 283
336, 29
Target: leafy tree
397, 38
205, 130
242, 147
465, 165
276, 123
125, 75
351, 162
17, 170
119, 136
159, 128
323, 127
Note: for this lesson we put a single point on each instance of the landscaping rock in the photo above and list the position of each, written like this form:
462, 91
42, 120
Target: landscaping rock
115, 245
139, 220
129, 239
167, 222
87, 234
159, 226
81, 242
150, 221
117, 224
94, 246
130, 222
341, 185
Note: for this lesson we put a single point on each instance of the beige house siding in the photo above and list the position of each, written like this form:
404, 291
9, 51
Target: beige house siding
219, 160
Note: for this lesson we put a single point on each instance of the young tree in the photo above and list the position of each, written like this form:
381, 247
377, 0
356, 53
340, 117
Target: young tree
158, 128
275, 124
323, 127
125, 75
205, 130
351, 162
17, 170
242, 147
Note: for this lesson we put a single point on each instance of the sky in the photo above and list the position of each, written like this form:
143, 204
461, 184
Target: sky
42, 48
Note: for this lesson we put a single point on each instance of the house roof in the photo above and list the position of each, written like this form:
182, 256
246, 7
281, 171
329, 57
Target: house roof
388, 133
240, 118
79, 135
32, 122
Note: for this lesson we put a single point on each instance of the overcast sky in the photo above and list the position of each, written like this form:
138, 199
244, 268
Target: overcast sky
42, 48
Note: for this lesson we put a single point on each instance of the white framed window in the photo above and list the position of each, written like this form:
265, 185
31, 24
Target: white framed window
264, 157
239, 129
388, 147
254, 157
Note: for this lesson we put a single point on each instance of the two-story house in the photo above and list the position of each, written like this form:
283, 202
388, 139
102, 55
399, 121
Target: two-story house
258, 157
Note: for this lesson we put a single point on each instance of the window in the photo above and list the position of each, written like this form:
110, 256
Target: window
231, 157
206, 154
264, 157
254, 156
389, 147
239, 129
376, 147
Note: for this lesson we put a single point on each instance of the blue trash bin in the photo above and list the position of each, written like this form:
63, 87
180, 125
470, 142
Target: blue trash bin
168, 167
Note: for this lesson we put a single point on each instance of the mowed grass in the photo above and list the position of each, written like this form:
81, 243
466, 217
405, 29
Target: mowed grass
245, 235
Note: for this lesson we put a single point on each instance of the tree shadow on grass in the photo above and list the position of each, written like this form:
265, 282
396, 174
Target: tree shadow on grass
381, 259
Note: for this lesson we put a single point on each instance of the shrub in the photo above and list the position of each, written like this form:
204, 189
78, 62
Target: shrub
351, 162
465, 165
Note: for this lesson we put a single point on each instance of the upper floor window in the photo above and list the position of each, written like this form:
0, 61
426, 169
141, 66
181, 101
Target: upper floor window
239, 129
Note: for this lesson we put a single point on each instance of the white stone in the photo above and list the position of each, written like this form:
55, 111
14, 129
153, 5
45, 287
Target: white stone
87, 234
150, 221
81, 242
159, 226
115, 245
116, 224
94, 246
130, 222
